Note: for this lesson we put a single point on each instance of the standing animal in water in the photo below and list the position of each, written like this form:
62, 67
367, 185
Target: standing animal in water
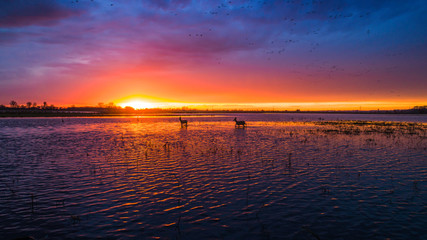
183, 122
239, 123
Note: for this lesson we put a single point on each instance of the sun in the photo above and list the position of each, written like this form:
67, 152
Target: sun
137, 104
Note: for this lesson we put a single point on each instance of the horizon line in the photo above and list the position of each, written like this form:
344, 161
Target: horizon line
282, 106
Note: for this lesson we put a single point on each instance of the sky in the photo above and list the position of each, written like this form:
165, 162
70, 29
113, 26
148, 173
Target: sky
285, 54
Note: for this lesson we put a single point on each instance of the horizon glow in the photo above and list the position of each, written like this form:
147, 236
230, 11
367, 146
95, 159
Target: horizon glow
137, 104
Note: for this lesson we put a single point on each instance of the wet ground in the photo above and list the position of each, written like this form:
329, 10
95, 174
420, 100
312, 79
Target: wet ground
281, 177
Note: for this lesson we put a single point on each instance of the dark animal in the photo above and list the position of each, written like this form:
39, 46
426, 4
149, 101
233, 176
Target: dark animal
240, 123
183, 122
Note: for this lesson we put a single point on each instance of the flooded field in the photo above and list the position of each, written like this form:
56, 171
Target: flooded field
284, 176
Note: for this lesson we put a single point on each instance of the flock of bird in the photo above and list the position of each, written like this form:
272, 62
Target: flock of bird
289, 16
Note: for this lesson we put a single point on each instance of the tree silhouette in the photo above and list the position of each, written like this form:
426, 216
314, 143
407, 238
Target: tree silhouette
13, 104
29, 104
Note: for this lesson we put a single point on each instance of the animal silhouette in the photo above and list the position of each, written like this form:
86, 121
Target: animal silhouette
183, 122
239, 123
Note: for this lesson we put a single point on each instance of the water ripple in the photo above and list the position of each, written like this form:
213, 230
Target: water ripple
122, 179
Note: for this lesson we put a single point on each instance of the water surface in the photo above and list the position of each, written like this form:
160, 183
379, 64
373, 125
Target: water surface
283, 177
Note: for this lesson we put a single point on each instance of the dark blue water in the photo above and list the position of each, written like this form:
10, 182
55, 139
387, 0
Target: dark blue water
282, 177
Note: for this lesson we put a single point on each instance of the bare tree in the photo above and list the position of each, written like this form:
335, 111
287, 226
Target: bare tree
13, 104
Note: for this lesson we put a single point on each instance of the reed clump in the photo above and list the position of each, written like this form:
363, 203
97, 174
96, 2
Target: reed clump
368, 127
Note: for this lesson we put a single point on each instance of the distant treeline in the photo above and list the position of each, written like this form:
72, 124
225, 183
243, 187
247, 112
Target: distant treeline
32, 109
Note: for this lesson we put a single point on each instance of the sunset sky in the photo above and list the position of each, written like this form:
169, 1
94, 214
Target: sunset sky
290, 54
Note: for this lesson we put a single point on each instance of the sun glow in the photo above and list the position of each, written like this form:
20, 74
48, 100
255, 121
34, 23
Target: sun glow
137, 104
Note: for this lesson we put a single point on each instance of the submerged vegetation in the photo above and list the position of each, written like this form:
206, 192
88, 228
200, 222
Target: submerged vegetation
368, 127
152, 178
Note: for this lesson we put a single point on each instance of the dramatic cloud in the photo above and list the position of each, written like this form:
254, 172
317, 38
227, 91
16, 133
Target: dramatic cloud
18, 13
267, 51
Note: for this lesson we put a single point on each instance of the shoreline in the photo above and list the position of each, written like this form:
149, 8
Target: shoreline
19, 113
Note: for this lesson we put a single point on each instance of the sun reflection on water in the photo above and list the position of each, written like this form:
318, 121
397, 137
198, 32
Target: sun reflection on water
148, 178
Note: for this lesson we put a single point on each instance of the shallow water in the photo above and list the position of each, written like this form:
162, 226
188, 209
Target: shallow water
283, 177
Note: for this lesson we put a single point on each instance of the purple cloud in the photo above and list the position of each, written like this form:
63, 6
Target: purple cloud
19, 13
288, 44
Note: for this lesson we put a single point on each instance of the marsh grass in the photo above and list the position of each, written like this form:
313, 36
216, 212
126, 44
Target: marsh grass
388, 128
211, 180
